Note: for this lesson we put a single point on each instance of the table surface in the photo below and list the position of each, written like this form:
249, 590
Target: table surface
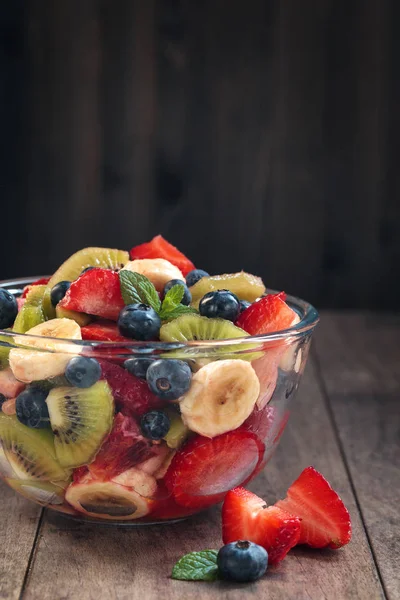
345, 422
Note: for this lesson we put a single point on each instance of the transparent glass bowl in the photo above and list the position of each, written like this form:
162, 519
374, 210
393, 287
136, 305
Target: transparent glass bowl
134, 482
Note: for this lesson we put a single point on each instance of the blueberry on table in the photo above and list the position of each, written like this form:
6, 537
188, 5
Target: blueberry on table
187, 296
138, 366
139, 322
243, 304
221, 304
8, 309
155, 424
58, 292
194, 276
31, 408
169, 378
82, 372
242, 561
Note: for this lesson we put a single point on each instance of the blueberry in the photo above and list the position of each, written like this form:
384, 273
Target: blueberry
242, 561
82, 372
155, 424
58, 292
140, 322
220, 304
2, 400
31, 408
8, 309
169, 378
187, 296
243, 305
138, 366
195, 276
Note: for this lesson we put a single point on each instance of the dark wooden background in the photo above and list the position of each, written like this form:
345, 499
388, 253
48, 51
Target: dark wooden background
260, 134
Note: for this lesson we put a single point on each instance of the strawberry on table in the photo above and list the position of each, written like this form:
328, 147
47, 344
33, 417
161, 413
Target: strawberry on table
96, 292
245, 516
158, 247
325, 521
268, 315
204, 470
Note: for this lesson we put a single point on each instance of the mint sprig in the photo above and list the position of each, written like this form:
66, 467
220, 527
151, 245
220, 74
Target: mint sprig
197, 566
137, 289
171, 307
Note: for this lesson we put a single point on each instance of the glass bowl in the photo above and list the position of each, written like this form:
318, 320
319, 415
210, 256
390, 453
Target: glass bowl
100, 467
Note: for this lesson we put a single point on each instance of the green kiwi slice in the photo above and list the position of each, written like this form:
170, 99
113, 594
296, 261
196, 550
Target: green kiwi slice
30, 452
80, 420
31, 313
245, 285
81, 318
70, 270
189, 327
6, 344
43, 492
178, 432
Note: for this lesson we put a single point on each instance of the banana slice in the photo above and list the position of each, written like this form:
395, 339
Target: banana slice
158, 270
49, 357
137, 480
221, 397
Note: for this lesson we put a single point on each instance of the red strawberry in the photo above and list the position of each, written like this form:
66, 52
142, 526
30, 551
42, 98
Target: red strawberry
124, 448
245, 516
96, 292
80, 473
268, 315
104, 331
132, 395
160, 248
325, 521
41, 281
205, 469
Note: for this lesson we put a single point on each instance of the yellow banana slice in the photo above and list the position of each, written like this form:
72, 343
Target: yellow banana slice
221, 397
158, 270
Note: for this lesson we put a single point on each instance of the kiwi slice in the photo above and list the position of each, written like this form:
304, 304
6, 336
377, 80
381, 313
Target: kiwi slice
6, 344
70, 270
43, 492
29, 452
80, 420
245, 285
191, 327
31, 313
178, 432
81, 318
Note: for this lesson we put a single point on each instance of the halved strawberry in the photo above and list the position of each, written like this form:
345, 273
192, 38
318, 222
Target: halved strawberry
325, 521
203, 471
104, 331
124, 448
41, 281
132, 395
158, 247
268, 315
245, 516
96, 292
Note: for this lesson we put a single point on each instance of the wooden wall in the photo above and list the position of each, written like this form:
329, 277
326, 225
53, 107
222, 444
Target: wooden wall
261, 135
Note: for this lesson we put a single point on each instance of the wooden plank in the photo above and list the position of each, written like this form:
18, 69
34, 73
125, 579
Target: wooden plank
19, 521
86, 561
359, 358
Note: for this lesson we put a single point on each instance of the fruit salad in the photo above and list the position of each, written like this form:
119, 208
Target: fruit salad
136, 387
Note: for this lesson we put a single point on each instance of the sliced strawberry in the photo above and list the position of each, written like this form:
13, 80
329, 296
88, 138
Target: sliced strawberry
325, 521
268, 315
245, 516
167, 508
204, 470
96, 292
41, 281
80, 473
9, 386
104, 331
266, 368
124, 448
132, 395
158, 247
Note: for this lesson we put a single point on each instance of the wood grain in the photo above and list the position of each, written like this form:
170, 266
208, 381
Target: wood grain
89, 561
359, 357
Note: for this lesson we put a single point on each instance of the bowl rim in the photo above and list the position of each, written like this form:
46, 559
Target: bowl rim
309, 318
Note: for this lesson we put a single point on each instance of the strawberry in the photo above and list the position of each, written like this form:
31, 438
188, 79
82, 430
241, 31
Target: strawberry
267, 424
204, 470
268, 315
41, 281
96, 292
132, 395
104, 331
245, 516
325, 521
124, 448
158, 247
266, 368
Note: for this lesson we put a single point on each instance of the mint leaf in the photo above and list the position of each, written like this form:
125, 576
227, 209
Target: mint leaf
197, 566
136, 289
173, 298
178, 311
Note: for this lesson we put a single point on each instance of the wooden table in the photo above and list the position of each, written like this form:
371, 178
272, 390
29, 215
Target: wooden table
345, 422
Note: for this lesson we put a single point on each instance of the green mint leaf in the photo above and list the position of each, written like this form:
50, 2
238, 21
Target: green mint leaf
197, 566
173, 297
178, 311
136, 288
